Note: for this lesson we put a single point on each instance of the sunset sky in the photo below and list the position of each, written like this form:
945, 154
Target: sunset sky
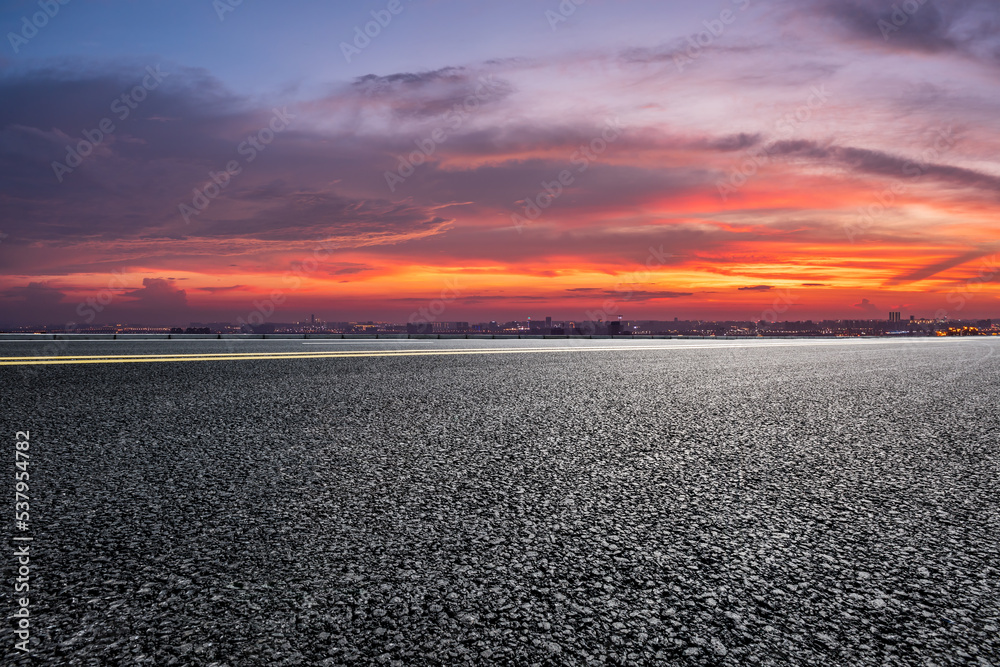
803, 159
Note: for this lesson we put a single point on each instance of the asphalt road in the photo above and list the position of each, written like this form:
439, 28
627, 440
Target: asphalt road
688, 502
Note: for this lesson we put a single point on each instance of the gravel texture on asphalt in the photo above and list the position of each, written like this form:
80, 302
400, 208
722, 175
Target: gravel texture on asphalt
764, 505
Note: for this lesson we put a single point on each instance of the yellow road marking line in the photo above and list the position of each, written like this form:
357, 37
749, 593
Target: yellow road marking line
223, 356
191, 357
124, 359
278, 355
275, 355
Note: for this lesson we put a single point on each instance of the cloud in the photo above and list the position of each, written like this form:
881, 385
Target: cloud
316, 183
348, 269
424, 95
926, 30
680, 49
962, 27
885, 164
644, 295
322, 181
157, 293
734, 142
158, 302
375, 83
282, 212
867, 306
169, 147
34, 303
587, 295
214, 290
37, 293
925, 272
626, 294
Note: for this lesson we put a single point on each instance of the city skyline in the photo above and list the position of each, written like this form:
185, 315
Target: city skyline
548, 325
196, 161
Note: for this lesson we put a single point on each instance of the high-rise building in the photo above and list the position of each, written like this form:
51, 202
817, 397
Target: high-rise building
894, 316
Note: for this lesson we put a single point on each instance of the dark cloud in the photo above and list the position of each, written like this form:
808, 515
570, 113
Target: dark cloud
133, 185
289, 213
595, 295
645, 295
373, 83
319, 181
157, 293
544, 246
348, 269
734, 142
625, 293
479, 298
35, 293
966, 27
34, 303
310, 185
929, 271
158, 302
885, 164
680, 50
447, 92
925, 30
757, 288
799, 148
213, 290
867, 306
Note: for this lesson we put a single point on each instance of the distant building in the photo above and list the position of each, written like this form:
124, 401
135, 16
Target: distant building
419, 328
450, 327
894, 316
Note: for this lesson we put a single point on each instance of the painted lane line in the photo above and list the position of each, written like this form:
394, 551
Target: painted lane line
401, 341
105, 359
692, 346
